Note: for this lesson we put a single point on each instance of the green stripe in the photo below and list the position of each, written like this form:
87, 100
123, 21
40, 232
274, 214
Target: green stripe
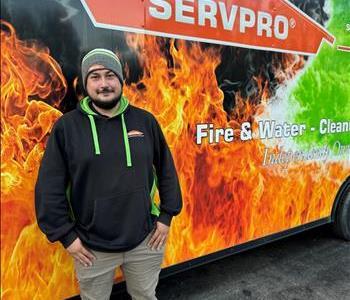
68, 196
126, 143
154, 208
101, 51
94, 135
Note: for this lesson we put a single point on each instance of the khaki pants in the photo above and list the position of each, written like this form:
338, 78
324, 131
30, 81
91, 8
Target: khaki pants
140, 266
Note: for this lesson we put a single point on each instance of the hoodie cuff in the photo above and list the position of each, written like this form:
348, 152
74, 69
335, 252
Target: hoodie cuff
68, 239
165, 218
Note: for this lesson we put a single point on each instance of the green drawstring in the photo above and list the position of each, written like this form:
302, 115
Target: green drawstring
125, 136
126, 143
123, 105
94, 135
85, 106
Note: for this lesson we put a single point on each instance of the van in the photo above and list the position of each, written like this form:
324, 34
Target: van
253, 98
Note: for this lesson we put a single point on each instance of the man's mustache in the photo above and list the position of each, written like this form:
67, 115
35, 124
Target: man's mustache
104, 90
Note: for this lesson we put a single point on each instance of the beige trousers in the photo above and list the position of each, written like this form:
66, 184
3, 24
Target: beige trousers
140, 267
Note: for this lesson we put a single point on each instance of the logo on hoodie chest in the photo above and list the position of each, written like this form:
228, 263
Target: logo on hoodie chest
135, 134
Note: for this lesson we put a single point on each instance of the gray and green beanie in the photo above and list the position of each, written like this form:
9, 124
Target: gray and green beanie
102, 57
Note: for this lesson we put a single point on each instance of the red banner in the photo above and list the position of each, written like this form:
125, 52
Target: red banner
268, 24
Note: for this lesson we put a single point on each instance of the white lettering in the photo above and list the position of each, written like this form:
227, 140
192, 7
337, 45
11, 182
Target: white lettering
201, 132
323, 126
281, 20
229, 135
328, 126
203, 14
210, 13
228, 21
271, 129
162, 15
213, 135
244, 22
264, 24
179, 12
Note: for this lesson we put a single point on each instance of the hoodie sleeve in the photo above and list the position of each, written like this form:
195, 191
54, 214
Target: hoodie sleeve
51, 203
168, 182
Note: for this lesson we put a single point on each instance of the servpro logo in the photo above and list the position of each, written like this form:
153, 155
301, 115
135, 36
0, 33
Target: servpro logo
229, 17
265, 24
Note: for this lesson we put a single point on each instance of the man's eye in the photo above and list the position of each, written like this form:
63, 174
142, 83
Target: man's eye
111, 75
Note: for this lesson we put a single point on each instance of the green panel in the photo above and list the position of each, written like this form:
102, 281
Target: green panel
323, 91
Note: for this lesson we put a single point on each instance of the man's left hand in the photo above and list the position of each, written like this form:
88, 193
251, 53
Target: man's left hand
159, 236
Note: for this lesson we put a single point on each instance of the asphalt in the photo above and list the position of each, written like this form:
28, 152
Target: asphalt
314, 265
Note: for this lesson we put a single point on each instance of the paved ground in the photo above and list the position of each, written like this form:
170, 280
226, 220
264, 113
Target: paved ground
313, 265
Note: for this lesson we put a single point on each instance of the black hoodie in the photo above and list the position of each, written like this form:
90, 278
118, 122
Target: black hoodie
98, 177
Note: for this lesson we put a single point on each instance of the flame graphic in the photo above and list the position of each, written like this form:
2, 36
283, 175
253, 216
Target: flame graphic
32, 85
229, 198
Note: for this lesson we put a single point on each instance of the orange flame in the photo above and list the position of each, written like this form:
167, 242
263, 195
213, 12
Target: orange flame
30, 266
229, 197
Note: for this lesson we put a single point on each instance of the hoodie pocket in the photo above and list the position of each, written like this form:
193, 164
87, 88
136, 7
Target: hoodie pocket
123, 218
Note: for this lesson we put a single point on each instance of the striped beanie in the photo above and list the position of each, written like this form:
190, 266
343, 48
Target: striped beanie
102, 57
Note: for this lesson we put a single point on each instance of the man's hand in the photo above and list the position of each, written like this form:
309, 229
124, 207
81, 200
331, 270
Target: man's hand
159, 236
80, 253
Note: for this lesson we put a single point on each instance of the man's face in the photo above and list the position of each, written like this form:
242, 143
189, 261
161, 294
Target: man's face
103, 87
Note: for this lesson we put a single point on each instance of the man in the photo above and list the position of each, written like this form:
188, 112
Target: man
96, 184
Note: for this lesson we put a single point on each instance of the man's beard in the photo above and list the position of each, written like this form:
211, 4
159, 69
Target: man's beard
106, 104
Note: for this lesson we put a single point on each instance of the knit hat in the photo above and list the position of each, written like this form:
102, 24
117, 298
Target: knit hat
102, 57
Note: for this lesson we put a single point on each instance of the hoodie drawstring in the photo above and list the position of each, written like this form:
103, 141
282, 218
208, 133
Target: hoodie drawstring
125, 137
84, 104
94, 135
126, 143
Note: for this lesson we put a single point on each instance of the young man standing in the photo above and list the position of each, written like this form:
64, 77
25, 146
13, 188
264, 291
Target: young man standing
96, 184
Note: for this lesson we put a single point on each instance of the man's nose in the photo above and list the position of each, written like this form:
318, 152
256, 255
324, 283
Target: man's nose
103, 82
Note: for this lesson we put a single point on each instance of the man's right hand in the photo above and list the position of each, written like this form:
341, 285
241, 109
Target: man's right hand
80, 253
